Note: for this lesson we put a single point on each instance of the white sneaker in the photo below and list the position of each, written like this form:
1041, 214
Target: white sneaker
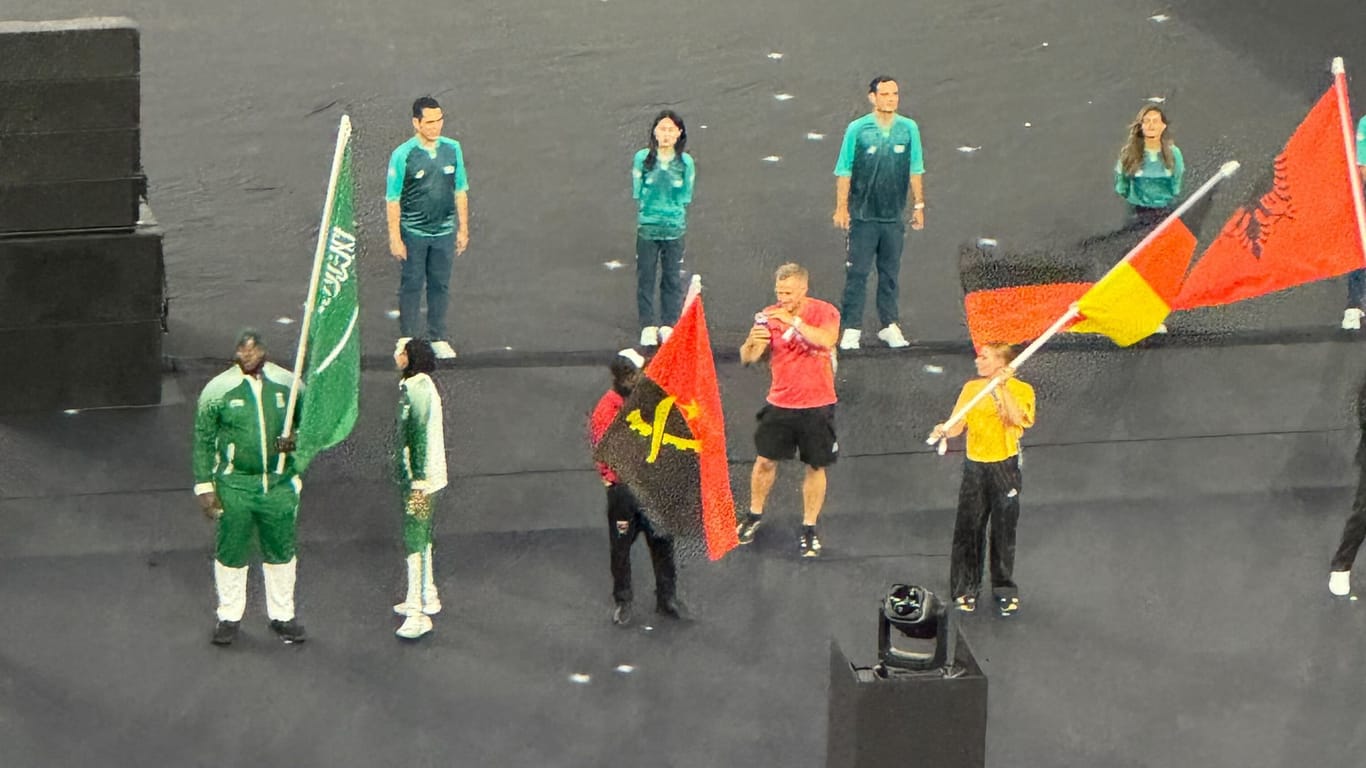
891, 336
415, 626
1351, 319
443, 350
665, 331
850, 338
649, 336
431, 608
1340, 582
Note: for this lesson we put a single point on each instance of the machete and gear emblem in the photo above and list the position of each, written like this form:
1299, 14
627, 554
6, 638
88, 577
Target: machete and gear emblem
656, 432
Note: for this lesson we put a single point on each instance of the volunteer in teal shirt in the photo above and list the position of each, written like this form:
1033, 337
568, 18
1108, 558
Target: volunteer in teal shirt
880, 161
662, 178
426, 193
1356, 279
1150, 168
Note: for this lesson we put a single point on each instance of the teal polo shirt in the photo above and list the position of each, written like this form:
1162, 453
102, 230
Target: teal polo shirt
880, 165
424, 183
664, 193
1154, 185
1361, 142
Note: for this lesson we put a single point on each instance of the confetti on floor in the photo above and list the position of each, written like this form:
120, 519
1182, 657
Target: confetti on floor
775, 55
613, 264
580, 678
1157, 99
1159, 18
966, 149
284, 320
934, 369
813, 136
1029, 125
71, 411
986, 242
625, 669
782, 96
392, 314
772, 158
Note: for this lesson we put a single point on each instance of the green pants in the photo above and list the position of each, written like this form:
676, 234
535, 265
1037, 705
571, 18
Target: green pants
417, 523
274, 514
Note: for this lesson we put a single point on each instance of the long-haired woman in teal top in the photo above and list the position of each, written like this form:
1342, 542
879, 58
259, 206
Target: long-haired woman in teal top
1150, 168
662, 178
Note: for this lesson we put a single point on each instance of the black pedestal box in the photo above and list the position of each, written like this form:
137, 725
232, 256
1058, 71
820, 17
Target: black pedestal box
925, 720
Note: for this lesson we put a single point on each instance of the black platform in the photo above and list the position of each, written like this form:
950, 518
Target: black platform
924, 719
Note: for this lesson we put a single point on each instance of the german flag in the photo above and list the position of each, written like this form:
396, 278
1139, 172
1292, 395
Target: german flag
669, 442
1135, 297
1016, 298
1307, 227
1013, 297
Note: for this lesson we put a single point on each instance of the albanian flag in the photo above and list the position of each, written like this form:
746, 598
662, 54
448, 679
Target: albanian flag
669, 442
1306, 228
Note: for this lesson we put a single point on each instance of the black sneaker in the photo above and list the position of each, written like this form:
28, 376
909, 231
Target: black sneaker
748, 526
289, 631
225, 632
811, 543
621, 614
672, 607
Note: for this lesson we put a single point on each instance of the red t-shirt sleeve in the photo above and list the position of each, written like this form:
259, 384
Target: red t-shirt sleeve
602, 417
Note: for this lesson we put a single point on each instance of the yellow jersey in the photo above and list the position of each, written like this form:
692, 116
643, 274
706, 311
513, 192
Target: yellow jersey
989, 439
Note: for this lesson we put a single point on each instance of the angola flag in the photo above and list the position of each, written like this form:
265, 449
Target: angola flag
669, 442
1305, 228
331, 367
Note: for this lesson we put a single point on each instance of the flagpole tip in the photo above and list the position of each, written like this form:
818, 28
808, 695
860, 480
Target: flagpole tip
696, 282
1229, 168
1337, 67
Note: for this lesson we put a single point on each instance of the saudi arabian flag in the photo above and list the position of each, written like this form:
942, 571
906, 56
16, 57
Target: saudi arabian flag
330, 373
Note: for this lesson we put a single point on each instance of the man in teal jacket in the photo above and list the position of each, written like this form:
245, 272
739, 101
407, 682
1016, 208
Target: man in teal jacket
245, 480
880, 162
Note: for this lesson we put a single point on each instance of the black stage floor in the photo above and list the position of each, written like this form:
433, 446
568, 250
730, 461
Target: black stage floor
1182, 498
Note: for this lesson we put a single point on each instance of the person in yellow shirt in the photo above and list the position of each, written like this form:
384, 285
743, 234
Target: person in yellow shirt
991, 479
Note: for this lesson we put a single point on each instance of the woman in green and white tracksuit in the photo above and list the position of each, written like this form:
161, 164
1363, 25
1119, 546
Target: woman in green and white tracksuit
420, 469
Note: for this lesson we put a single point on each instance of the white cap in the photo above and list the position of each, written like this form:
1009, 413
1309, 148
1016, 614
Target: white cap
633, 356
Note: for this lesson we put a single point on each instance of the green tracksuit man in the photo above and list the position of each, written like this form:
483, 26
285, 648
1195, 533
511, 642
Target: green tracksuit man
241, 482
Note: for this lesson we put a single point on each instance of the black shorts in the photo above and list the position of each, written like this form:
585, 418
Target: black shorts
783, 432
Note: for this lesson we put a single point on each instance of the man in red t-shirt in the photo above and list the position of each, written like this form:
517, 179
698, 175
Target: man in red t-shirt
624, 518
799, 334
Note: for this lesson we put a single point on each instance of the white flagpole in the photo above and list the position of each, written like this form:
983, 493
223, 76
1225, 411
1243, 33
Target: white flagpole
694, 290
1353, 173
343, 138
1225, 171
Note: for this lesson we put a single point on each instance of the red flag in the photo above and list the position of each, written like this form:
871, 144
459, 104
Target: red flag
1019, 314
1304, 229
669, 441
